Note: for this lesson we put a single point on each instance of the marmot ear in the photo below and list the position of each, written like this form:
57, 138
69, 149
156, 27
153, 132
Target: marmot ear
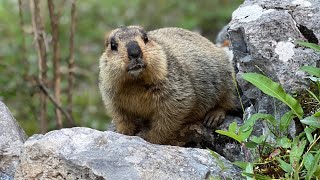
106, 38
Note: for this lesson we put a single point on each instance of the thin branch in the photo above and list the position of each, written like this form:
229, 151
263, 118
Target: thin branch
38, 31
54, 20
23, 41
71, 57
45, 90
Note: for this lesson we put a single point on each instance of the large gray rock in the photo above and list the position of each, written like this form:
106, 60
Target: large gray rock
262, 35
12, 138
197, 136
83, 153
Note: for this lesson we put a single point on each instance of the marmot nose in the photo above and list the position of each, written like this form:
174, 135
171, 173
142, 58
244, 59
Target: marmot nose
134, 50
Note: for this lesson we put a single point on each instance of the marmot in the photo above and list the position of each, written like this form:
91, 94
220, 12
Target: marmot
164, 79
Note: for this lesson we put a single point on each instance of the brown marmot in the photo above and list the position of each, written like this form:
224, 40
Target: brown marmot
163, 79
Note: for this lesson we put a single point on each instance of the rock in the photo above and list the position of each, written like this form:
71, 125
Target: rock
12, 138
83, 153
4, 176
263, 34
197, 136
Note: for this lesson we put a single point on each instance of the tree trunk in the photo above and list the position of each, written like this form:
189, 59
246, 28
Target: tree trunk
54, 20
39, 35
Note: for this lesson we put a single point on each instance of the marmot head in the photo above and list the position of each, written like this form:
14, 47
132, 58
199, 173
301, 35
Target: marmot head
131, 54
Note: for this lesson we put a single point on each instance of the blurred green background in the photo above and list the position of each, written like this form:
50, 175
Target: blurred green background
94, 19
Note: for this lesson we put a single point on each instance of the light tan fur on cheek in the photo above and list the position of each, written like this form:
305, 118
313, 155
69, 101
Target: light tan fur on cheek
112, 66
156, 70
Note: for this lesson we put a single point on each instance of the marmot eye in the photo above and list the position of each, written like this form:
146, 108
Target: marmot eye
145, 38
114, 45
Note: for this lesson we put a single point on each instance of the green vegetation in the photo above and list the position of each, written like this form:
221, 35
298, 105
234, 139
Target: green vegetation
19, 60
285, 157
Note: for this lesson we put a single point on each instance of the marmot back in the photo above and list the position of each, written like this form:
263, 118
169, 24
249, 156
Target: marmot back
167, 78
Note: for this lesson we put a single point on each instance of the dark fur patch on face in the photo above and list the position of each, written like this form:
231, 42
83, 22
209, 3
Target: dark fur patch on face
123, 28
125, 33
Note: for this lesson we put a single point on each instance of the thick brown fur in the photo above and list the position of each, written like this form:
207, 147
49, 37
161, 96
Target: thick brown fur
186, 79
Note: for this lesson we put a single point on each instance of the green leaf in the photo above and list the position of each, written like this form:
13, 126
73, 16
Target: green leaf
309, 45
246, 129
284, 142
258, 140
244, 135
241, 164
248, 172
311, 70
262, 177
307, 161
231, 135
251, 121
256, 176
317, 114
314, 165
240, 137
286, 120
248, 175
274, 89
308, 132
296, 152
285, 166
233, 127
317, 172
312, 121
251, 145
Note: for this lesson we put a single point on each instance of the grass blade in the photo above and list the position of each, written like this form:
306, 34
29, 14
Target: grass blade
313, 95
309, 45
311, 70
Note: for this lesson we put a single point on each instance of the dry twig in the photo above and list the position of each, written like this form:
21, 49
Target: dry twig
45, 90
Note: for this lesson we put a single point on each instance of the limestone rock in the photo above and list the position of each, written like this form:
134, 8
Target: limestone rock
85, 153
263, 34
12, 138
197, 136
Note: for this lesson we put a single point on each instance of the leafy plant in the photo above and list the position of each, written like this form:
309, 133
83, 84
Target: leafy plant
274, 89
298, 157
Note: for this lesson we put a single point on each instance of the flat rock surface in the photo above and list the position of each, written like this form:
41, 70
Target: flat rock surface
11, 140
83, 153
